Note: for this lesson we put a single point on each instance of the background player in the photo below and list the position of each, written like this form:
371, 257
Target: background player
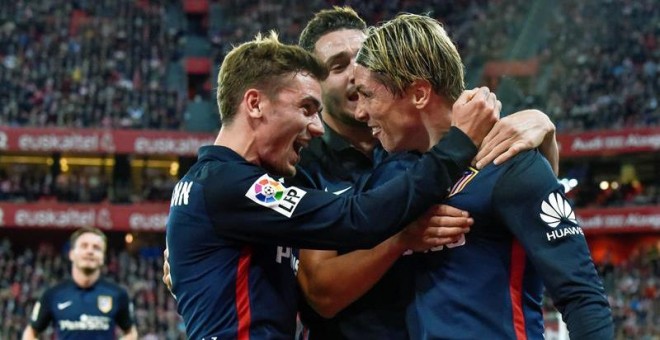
85, 306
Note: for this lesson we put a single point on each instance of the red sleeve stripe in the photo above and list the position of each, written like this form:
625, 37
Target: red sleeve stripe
515, 289
243, 294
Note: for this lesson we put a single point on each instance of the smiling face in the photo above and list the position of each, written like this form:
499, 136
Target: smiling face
87, 253
393, 119
337, 50
290, 119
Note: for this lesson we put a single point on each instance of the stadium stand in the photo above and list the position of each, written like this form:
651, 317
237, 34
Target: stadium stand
104, 103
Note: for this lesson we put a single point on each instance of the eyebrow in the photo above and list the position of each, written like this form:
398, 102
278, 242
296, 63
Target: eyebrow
334, 58
313, 101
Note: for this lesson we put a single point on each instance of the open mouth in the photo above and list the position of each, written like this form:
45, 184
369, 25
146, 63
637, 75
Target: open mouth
298, 146
352, 95
375, 130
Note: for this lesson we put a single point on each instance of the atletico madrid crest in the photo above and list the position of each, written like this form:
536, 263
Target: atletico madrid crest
104, 302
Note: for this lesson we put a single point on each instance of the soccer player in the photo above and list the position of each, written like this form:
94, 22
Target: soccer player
356, 287
232, 223
525, 236
86, 306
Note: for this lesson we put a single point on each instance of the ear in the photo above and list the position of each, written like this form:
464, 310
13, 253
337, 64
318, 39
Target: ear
71, 254
252, 99
421, 91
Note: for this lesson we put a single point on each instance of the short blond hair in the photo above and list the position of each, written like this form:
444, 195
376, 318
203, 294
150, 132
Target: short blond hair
413, 47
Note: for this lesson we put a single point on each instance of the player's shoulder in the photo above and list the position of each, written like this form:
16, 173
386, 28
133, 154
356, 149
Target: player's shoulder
66, 284
523, 160
111, 286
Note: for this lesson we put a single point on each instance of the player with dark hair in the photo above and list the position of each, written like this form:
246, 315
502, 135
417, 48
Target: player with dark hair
85, 306
232, 223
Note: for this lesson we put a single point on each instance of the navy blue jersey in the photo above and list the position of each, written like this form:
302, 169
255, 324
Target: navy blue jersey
332, 164
83, 313
231, 227
380, 313
525, 236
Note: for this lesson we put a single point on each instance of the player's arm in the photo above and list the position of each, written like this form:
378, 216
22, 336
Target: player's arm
40, 317
331, 282
307, 218
520, 131
125, 317
532, 205
131, 334
30, 333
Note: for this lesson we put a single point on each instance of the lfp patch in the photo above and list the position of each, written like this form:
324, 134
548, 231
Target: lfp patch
272, 194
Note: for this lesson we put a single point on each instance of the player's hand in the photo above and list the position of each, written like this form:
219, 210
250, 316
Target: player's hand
475, 112
523, 130
442, 224
167, 279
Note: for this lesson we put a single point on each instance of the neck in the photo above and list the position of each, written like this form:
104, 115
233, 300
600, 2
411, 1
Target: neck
437, 120
84, 280
359, 136
242, 143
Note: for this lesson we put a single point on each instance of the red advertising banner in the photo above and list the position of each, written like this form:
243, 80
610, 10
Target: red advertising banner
93, 141
606, 142
157, 142
152, 217
621, 219
53, 215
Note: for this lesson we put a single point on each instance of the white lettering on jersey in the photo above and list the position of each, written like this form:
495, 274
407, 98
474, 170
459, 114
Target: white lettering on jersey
282, 252
272, 194
285, 252
86, 323
555, 210
181, 194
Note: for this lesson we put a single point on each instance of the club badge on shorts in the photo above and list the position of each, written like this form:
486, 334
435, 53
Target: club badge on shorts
104, 302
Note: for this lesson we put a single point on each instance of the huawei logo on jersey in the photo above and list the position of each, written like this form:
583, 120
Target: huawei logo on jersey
555, 210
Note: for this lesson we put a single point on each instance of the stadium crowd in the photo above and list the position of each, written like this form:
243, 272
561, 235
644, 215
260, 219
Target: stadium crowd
632, 287
105, 63
82, 64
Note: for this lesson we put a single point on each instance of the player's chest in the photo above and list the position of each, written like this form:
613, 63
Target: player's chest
77, 303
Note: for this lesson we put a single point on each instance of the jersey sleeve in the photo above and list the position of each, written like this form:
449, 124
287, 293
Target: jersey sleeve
125, 317
41, 315
531, 203
257, 208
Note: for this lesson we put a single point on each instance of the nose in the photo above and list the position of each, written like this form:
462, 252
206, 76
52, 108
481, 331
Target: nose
315, 126
360, 113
